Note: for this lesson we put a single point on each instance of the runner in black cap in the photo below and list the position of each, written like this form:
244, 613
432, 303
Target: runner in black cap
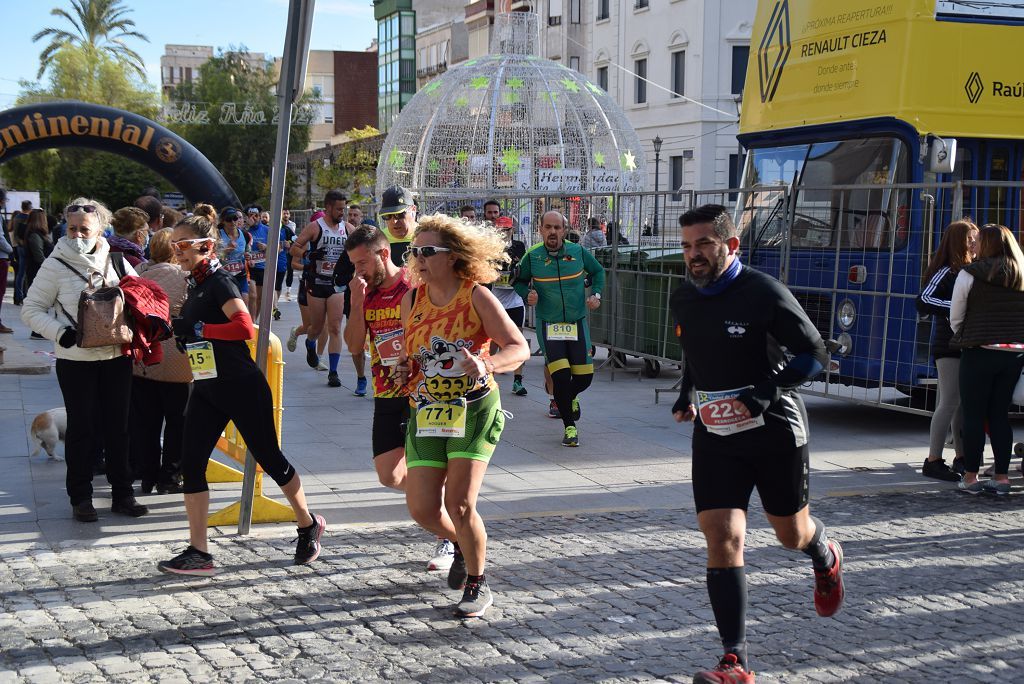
398, 210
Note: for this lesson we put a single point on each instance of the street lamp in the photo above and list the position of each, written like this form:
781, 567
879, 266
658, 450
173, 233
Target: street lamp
657, 178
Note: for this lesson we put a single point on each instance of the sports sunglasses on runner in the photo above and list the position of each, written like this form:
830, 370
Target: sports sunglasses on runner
427, 251
181, 245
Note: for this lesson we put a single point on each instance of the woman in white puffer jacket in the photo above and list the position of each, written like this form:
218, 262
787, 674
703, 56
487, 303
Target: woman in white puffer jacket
96, 383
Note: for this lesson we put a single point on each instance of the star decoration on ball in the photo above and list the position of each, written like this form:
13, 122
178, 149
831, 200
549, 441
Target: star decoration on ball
461, 101
514, 83
599, 159
629, 160
570, 85
462, 156
511, 159
432, 86
480, 82
433, 166
396, 159
597, 90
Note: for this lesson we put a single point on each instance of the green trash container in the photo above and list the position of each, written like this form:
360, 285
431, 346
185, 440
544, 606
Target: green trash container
607, 321
661, 275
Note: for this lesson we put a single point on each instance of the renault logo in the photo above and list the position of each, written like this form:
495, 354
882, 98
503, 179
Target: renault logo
974, 87
774, 50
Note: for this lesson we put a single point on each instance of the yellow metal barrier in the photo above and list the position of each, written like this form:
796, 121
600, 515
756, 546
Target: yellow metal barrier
264, 509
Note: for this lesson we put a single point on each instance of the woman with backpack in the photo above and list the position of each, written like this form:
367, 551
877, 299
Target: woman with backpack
95, 381
987, 317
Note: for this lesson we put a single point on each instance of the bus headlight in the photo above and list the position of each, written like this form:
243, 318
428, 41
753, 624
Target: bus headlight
846, 314
846, 343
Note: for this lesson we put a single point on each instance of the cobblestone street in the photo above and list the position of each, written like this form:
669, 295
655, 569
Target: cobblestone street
934, 593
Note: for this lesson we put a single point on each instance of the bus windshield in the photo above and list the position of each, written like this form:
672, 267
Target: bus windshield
827, 214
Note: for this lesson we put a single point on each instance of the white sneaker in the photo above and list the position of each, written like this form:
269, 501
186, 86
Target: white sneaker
322, 367
292, 339
444, 554
288, 295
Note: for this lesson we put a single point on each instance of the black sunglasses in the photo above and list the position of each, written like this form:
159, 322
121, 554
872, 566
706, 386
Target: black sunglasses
75, 208
427, 251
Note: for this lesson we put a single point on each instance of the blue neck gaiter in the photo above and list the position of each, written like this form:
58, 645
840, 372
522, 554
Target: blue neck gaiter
728, 275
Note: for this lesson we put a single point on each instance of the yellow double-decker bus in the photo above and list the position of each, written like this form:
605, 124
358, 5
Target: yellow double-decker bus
869, 126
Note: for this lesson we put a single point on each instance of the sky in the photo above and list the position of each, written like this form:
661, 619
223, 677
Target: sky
257, 24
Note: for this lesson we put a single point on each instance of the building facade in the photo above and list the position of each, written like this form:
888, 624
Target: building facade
180, 64
440, 47
346, 85
675, 66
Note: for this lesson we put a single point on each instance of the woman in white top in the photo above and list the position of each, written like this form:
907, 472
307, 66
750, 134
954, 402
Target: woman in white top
96, 382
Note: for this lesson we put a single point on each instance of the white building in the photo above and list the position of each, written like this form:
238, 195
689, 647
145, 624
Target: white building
694, 48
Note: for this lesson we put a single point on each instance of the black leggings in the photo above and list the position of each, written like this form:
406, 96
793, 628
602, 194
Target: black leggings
156, 407
96, 396
244, 400
987, 379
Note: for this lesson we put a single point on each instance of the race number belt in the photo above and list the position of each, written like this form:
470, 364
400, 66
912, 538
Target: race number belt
258, 258
563, 332
441, 419
389, 346
325, 268
504, 280
202, 361
234, 267
719, 415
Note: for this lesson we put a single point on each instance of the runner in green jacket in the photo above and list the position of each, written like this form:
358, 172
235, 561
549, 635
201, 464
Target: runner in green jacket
551, 277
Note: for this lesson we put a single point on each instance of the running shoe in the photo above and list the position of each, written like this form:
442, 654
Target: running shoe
994, 487
308, 547
577, 412
553, 411
976, 487
476, 599
518, 389
958, 466
829, 590
312, 358
444, 554
360, 390
333, 380
277, 314
191, 561
321, 366
728, 671
990, 471
571, 438
288, 295
293, 339
939, 470
457, 573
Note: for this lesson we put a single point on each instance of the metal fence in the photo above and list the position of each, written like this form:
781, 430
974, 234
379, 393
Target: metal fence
853, 256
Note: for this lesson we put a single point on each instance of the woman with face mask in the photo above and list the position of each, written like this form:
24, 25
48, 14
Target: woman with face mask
96, 382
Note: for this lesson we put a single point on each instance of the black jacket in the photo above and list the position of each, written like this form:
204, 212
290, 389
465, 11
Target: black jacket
995, 314
935, 300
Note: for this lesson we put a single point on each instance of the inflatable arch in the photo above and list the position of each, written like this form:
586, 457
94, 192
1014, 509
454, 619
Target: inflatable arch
80, 124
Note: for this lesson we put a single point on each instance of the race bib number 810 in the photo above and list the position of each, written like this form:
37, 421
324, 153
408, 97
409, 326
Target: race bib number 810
565, 332
719, 414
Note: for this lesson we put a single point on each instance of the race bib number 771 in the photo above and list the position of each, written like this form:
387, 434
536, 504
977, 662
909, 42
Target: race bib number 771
720, 415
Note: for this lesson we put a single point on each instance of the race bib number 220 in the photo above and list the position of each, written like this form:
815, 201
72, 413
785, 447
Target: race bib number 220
719, 415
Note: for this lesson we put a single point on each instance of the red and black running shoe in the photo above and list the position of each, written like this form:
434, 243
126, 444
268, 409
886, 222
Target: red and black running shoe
191, 561
828, 585
728, 671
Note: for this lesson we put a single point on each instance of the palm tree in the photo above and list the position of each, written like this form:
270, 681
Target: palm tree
100, 26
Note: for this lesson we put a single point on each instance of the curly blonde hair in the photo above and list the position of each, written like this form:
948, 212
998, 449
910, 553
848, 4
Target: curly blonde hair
206, 210
479, 249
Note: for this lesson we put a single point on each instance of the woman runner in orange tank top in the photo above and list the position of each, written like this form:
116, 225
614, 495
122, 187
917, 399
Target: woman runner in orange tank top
456, 417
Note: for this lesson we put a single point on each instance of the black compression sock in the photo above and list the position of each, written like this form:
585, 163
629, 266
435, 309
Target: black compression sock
474, 579
517, 378
727, 589
821, 555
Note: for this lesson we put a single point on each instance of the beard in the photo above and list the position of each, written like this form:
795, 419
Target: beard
716, 266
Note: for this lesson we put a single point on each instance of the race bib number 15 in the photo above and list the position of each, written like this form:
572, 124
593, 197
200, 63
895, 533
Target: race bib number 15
719, 415
201, 360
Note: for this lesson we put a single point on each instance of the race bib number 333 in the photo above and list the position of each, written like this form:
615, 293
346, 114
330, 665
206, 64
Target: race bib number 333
719, 415
447, 419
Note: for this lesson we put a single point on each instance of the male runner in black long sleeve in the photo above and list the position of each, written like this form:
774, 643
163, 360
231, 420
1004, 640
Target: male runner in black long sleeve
750, 430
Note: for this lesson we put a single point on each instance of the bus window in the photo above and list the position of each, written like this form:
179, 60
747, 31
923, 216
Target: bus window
999, 170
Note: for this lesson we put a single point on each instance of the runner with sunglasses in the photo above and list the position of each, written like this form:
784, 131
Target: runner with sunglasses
456, 419
214, 326
398, 211
552, 277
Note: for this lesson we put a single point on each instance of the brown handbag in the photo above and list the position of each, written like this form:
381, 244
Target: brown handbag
103, 320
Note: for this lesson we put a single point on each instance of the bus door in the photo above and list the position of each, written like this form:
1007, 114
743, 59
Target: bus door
987, 160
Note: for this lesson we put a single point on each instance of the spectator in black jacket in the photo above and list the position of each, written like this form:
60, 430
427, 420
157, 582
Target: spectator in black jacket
956, 250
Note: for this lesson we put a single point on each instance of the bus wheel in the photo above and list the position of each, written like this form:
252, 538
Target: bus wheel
652, 369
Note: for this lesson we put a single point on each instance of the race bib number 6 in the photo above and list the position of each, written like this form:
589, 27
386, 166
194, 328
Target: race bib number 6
565, 332
447, 419
719, 415
389, 346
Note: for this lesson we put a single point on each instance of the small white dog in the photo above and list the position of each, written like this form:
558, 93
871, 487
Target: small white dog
48, 428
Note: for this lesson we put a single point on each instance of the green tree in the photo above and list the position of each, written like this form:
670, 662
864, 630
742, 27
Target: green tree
243, 152
355, 165
70, 172
100, 28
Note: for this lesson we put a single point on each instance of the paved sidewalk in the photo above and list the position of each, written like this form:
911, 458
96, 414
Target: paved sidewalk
595, 560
